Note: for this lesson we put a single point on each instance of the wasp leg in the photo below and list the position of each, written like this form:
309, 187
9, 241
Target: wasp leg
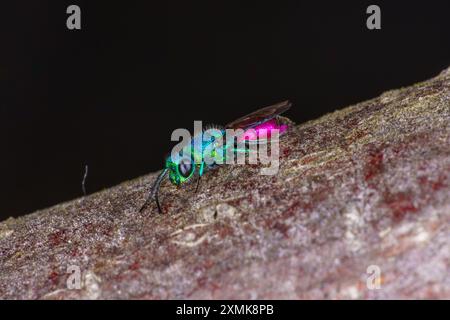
200, 173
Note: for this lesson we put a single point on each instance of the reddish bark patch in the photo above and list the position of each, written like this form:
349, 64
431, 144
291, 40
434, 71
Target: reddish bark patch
282, 228
374, 164
286, 152
57, 237
400, 204
135, 265
53, 277
435, 185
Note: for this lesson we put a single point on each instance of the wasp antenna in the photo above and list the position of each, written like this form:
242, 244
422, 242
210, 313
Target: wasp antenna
198, 183
154, 191
157, 200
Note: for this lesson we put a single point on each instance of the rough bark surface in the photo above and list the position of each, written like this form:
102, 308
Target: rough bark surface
366, 185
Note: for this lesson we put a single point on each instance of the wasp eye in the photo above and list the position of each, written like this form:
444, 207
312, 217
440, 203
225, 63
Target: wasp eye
185, 167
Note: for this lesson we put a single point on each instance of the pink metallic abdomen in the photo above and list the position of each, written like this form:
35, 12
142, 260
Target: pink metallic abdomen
264, 130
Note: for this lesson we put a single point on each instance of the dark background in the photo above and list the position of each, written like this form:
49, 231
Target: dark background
110, 95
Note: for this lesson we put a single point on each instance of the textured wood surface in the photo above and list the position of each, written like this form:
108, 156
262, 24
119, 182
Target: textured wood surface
366, 185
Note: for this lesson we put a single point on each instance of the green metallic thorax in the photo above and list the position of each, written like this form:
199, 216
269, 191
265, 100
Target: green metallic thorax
197, 154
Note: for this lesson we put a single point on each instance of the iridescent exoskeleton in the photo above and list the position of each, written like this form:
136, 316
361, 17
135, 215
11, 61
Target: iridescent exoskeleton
183, 166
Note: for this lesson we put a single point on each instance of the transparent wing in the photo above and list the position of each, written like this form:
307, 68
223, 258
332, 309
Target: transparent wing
260, 116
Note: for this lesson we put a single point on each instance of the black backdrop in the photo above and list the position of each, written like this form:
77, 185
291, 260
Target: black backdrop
110, 95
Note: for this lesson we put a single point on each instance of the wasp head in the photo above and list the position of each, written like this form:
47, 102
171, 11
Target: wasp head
180, 169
